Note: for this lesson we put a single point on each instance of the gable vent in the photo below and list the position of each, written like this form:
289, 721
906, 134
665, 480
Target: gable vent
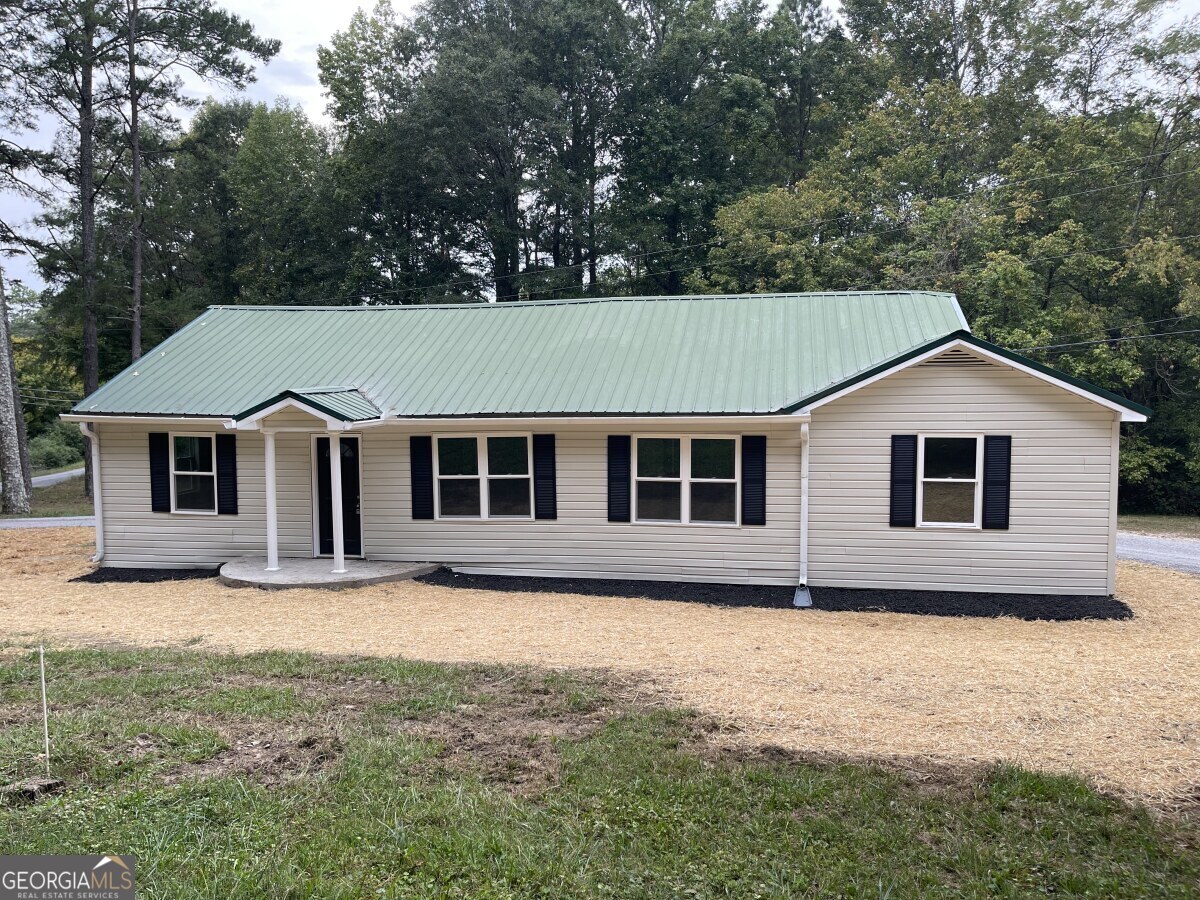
957, 359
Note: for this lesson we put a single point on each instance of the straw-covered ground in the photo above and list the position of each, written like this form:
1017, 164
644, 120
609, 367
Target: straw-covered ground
1115, 701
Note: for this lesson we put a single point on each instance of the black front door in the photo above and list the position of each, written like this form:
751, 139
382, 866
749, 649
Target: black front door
351, 520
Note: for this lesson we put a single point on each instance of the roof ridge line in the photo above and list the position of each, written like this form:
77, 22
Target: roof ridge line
574, 301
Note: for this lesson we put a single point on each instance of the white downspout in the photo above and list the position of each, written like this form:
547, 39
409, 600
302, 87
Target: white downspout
272, 506
93, 436
803, 598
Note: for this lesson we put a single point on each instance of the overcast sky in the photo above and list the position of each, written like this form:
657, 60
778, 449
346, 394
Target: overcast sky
301, 26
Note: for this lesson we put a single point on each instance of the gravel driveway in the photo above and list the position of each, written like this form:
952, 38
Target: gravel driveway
1178, 553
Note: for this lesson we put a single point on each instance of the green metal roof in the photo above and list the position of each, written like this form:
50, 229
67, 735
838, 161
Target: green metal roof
709, 355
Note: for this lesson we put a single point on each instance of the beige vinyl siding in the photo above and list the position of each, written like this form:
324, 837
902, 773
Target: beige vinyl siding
135, 537
581, 542
1059, 540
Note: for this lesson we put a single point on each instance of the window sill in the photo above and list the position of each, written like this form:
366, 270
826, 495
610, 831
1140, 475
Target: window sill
193, 512
488, 519
947, 526
676, 522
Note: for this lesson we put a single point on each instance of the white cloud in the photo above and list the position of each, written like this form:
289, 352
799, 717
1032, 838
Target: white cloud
300, 25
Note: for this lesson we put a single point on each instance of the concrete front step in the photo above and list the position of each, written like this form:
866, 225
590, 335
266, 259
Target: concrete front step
252, 571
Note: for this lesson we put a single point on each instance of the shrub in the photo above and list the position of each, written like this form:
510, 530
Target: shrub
60, 445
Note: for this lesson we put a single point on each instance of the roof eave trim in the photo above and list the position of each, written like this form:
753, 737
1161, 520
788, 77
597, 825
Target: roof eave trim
1126, 409
133, 418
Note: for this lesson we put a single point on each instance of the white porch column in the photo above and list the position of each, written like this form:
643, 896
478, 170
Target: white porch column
272, 509
335, 484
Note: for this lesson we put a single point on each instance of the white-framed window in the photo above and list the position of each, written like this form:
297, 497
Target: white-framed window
193, 474
485, 476
691, 480
949, 492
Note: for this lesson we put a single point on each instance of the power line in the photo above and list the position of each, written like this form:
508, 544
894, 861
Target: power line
896, 228
43, 390
813, 224
1128, 337
978, 267
1125, 325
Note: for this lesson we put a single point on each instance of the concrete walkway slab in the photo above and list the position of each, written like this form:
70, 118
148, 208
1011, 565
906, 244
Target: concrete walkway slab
252, 571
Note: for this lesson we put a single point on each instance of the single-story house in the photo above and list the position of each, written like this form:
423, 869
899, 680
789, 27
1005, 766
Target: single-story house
826, 439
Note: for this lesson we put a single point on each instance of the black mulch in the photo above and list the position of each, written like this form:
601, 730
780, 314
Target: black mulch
1049, 607
1032, 607
771, 597
112, 575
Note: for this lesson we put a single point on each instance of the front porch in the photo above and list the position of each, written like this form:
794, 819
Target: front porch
253, 571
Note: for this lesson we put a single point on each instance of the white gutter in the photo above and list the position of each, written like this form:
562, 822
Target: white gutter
93, 436
579, 420
803, 598
388, 419
135, 420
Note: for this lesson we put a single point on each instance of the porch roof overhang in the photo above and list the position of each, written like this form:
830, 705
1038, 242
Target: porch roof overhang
340, 408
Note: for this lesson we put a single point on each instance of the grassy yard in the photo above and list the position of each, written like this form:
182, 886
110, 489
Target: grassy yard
1184, 526
293, 775
63, 499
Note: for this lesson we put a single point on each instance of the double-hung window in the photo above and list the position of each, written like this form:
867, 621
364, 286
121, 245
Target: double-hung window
193, 474
686, 479
484, 477
948, 482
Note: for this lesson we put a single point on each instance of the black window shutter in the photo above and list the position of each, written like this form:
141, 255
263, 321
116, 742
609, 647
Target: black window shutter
420, 452
904, 481
618, 477
160, 472
754, 479
545, 490
997, 477
227, 487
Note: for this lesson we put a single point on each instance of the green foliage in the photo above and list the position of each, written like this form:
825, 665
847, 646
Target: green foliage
60, 445
1066, 234
1040, 160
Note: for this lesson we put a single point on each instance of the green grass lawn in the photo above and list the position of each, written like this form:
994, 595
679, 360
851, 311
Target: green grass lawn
1186, 526
63, 499
293, 775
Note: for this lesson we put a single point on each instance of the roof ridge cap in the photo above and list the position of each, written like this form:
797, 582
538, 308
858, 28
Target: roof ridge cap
577, 301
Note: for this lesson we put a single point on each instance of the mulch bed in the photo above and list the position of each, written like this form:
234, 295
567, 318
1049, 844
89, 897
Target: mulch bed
1044, 607
113, 575
762, 596
1032, 607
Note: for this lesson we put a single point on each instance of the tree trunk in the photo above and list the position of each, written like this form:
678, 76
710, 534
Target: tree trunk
87, 216
506, 246
135, 159
13, 496
22, 434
